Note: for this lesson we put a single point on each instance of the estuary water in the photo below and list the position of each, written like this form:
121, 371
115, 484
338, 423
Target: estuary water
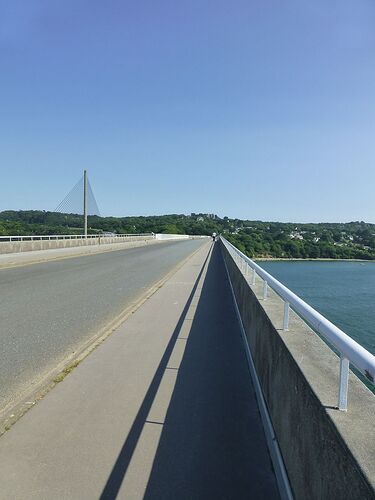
344, 292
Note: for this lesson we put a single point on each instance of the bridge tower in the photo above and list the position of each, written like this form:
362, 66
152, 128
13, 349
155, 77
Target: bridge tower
85, 201
72, 203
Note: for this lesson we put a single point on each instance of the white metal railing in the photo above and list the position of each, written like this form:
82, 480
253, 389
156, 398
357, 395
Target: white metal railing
349, 350
69, 237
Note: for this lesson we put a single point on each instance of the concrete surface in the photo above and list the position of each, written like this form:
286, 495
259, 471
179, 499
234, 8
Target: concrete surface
160, 236
47, 311
16, 259
163, 409
35, 245
328, 454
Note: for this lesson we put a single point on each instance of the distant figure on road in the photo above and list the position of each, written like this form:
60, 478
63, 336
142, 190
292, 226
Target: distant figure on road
213, 237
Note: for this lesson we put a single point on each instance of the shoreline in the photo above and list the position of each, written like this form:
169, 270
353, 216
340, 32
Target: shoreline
296, 259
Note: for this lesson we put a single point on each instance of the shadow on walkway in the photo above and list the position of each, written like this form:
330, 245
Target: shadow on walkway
212, 443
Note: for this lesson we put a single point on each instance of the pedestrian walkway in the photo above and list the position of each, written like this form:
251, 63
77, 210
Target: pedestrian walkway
163, 409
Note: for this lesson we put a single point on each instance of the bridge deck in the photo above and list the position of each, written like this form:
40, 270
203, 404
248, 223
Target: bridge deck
163, 409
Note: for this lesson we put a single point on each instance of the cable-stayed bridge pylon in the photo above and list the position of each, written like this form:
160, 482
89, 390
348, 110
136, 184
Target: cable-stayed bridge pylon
80, 200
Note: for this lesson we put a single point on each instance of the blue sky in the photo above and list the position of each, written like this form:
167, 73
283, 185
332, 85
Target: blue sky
250, 109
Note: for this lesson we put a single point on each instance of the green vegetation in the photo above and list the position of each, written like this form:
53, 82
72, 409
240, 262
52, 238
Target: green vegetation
42, 223
353, 240
60, 377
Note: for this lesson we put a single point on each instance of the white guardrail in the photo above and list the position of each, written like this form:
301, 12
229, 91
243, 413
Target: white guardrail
48, 237
69, 237
349, 350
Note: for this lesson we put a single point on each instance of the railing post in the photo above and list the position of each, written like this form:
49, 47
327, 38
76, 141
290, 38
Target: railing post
350, 351
286, 316
344, 380
265, 290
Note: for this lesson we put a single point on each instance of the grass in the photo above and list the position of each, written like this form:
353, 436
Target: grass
60, 377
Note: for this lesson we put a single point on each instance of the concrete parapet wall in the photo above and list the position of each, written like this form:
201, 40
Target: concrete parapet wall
161, 236
328, 454
27, 246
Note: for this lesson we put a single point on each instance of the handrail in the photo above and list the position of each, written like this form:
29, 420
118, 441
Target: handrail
349, 349
67, 236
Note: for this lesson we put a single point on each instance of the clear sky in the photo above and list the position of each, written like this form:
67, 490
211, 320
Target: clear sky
246, 108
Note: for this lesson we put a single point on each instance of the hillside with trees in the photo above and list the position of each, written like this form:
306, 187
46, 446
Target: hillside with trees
352, 240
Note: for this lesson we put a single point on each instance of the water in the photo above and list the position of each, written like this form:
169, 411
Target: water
344, 292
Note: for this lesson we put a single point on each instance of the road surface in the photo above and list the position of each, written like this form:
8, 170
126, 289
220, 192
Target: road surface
47, 311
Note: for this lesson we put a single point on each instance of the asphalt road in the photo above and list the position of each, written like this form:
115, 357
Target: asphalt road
48, 310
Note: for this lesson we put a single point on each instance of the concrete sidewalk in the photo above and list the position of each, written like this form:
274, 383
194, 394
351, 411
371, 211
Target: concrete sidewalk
163, 409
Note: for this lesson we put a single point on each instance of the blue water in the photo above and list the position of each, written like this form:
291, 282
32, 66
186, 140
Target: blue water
344, 292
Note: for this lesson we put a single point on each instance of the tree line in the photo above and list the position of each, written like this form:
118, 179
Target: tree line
352, 240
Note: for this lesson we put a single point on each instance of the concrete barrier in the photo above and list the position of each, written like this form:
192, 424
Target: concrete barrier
328, 454
54, 242
162, 236
45, 244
